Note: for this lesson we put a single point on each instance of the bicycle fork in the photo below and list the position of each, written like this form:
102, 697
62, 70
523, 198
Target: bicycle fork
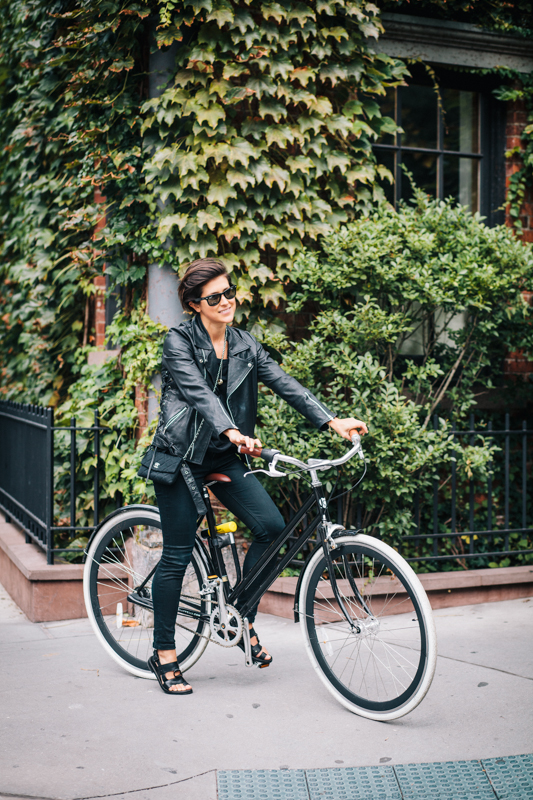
326, 530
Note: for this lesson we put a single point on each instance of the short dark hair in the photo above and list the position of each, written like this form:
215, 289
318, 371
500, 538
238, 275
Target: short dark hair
197, 274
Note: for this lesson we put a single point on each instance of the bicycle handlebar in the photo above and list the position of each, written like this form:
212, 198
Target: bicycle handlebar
272, 457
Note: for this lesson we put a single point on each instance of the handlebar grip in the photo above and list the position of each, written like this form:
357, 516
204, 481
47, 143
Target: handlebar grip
268, 455
256, 453
264, 453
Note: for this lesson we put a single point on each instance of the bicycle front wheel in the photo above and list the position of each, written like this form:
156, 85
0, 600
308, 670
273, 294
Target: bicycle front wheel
380, 666
118, 598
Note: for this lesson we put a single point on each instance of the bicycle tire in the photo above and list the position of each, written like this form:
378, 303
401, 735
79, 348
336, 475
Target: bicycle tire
119, 558
382, 668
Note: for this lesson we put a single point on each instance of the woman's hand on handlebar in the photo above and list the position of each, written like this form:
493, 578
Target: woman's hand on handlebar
236, 437
347, 427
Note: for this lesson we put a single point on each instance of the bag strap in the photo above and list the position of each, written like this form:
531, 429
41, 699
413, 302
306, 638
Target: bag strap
151, 462
193, 489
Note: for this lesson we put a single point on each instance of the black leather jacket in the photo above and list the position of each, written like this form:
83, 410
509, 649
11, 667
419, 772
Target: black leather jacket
190, 411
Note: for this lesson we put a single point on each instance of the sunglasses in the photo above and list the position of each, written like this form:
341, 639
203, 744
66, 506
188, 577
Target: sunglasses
214, 299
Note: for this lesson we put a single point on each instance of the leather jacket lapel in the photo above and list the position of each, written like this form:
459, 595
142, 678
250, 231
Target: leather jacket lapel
240, 361
237, 367
204, 350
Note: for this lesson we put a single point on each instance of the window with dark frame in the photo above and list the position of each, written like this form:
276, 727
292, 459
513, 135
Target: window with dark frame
453, 142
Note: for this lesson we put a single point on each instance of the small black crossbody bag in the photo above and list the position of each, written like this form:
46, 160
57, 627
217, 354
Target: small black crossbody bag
159, 466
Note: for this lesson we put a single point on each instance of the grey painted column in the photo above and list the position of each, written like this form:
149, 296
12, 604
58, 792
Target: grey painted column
163, 302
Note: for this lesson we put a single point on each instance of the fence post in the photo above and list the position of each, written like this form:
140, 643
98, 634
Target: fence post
524, 475
96, 490
471, 494
435, 499
454, 479
72, 474
489, 487
507, 451
49, 519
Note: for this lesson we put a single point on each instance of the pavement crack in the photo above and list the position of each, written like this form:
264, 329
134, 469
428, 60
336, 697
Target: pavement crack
144, 788
484, 666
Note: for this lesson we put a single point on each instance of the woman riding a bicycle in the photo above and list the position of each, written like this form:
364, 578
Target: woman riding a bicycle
210, 376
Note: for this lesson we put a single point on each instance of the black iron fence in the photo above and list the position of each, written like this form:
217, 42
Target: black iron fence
26, 469
476, 520
472, 521
27, 474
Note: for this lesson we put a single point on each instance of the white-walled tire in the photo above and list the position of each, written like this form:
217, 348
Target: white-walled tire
123, 552
382, 667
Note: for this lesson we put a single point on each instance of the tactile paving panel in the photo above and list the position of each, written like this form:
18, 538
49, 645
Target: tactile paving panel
511, 776
453, 780
353, 783
262, 784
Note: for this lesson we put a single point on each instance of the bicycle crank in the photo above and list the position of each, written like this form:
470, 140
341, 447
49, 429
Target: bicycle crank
226, 628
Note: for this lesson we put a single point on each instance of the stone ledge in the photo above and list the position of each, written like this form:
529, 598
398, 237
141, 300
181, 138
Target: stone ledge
438, 581
55, 592
45, 592
444, 589
31, 560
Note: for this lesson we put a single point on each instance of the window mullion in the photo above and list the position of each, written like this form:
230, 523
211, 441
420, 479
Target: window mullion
398, 153
440, 147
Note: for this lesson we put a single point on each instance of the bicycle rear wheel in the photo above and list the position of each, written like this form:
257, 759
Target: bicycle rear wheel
383, 666
123, 553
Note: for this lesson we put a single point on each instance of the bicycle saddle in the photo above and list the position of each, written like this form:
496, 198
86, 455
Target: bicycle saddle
217, 477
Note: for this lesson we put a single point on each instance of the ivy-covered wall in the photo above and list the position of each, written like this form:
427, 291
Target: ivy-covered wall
257, 149
260, 144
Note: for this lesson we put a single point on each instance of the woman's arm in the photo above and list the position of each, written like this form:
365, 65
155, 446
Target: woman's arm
304, 401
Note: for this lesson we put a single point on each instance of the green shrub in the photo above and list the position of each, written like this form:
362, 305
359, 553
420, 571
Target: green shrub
379, 289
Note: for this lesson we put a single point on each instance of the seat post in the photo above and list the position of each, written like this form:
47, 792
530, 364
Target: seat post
215, 552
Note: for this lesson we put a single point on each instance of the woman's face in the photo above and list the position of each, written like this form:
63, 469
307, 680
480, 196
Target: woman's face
223, 311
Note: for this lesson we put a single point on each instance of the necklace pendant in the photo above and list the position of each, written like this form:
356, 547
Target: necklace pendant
220, 381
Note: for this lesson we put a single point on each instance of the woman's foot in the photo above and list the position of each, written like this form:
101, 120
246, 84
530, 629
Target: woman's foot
171, 681
259, 654
169, 657
254, 642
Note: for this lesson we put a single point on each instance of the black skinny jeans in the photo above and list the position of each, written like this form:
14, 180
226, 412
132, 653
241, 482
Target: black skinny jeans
244, 497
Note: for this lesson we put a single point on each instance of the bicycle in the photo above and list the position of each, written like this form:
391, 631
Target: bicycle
366, 619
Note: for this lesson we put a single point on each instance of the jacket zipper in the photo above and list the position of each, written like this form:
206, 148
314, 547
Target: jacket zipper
234, 390
312, 399
174, 418
224, 410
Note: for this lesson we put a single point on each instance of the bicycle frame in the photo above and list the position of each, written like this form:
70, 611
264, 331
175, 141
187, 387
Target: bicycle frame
260, 570
267, 575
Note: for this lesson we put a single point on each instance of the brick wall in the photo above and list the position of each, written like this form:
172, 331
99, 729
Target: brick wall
516, 122
518, 363
99, 283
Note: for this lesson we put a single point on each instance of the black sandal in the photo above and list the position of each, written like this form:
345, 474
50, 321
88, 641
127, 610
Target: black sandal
160, 671
263, 660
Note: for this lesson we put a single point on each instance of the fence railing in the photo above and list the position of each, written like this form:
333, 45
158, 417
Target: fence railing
26, 469
27, 473
469, 520
487, 515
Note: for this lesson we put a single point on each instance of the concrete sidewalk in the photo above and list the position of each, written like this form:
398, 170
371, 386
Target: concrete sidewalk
74, 725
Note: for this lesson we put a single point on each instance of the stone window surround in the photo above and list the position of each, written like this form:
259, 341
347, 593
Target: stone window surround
453, 43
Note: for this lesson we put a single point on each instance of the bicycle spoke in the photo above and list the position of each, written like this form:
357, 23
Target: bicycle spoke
377, 660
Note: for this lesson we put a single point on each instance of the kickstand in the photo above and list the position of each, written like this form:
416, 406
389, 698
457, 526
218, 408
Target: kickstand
247, 646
